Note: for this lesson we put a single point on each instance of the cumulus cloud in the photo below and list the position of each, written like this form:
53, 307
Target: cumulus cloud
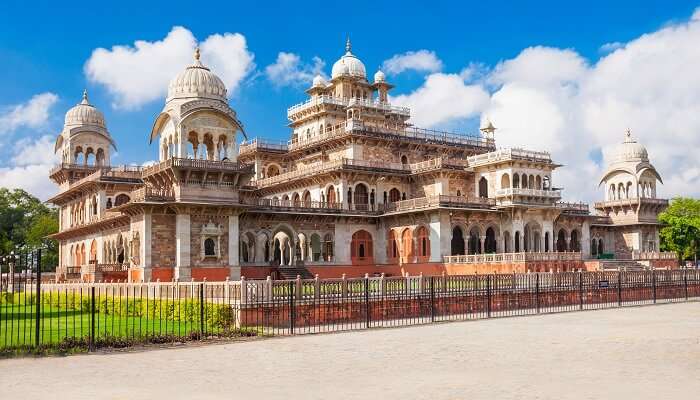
610, 47
421, 60
137, 74
554, 99
33, 113
443, 98
29, 168
289, 70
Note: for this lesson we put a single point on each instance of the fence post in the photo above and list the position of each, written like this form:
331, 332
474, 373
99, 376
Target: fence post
685, 282
367, 316
488, 296
292, 315
537, 291
37, 327
653, 283
92, 318
432, 299
201, 310
619, 288
580, 290
244, 291
317, 288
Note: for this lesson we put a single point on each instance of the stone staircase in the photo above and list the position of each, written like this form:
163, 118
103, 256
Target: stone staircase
291, 272
622, 265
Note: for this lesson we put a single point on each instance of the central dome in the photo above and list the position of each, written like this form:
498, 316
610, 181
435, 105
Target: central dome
630, 150
348, 65
84, 113
197, 81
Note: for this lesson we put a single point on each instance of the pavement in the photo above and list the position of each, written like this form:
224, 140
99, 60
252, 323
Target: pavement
650, 352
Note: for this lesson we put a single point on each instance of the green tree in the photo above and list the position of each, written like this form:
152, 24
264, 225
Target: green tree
681, 232
25, 222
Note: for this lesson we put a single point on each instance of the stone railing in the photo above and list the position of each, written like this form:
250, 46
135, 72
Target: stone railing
152, 194
439, 200
346, 102
632, 201
654, 255
73, 166
576, 208
512, 257
196, 164
509, 154
555, 193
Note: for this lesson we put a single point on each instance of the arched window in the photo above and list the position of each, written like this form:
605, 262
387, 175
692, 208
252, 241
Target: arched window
307, 199
523, 181
483, 187
459, 193
600, 246
507, 246
393, 247
621, 191
594, 247
561, 241
272, 170
361, 198
457, 243
531, 182
516, 181
121, 199
538, 182
474, 243
330, 195
575, 243
394, 195
423, 242
361, 249
546, 242
517, 241
328, 247
404, 160
109, 204
505, 181
296, 200
209, 247
628, 190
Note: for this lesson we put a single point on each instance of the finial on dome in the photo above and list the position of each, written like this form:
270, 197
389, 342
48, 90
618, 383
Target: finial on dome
196, 53
488, 126
85, 97
628, 136
348, 45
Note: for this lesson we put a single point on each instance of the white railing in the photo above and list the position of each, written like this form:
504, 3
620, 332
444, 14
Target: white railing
581, 208
439, 200
509, 154
346, 102
654, 255
528, 192
252, 145
511, 257
632, 201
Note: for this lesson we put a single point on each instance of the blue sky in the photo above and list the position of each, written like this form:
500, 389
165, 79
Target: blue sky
45, 49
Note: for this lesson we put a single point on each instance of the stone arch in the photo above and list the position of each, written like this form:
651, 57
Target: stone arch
262, 246
296, 199
546, 242
523, 181
575, 240
516, 180
272, 170
531, 182
306, 198
392, 248
505, 181
121, 199
394, 195
490, 240
361, 196
407, 250
315, 247
331, 197
483, 187
538, 182
507, 242
93, 251
457, 241
561, 240
474, 240
328, 246
422, 235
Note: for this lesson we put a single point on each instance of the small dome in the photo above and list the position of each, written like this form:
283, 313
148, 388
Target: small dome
197, 81
630, 150
348, 65
319, 81
379, 76
84, 113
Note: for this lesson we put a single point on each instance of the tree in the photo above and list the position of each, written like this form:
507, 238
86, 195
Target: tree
25, 222
681, 232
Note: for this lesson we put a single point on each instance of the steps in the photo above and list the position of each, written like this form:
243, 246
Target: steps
622, 265
291, 272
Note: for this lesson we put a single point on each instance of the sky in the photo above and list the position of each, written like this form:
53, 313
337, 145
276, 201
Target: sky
556, 76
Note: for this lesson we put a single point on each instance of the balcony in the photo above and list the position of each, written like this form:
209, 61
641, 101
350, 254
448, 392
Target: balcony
654, 255
149, 194
197, 164
573, 208
508, 155
631, 202
440, 201
254, 145
548, 194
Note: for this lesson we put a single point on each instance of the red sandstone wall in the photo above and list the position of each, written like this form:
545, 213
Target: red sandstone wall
163, 240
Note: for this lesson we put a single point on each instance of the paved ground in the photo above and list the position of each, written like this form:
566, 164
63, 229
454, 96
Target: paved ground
636, 353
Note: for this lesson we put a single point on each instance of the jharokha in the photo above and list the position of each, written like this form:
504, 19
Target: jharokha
356, 190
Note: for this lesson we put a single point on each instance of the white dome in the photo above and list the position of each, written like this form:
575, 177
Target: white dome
379, 76
197, 81
630, 150
84, 113
348, 65
319, 81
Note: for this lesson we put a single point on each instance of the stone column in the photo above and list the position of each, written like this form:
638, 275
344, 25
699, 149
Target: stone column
183, 269
233, 240
482, 242
586, 240
146, 246
440, 236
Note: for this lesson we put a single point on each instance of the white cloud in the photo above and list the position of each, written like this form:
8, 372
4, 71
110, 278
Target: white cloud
610, 47
31, 114
138, 74
421, 60
288, 70
443, 98
553, 99
29, 169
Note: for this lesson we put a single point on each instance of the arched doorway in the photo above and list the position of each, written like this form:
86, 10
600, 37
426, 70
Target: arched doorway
361, 248
406, 245
490, 243
330, 195
315, 247
507, 245
575, 242
393, 246
546, 242
561, 241
394, 195
423, 240
483, 187
517, 242
600, 247
457, 243
93, 251
474, 241
505, 181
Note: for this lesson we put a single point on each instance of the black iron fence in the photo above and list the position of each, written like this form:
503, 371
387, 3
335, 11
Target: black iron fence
35, 313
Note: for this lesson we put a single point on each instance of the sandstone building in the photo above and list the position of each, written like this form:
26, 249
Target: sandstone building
357, 189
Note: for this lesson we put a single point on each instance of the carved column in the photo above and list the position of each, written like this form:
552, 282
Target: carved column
183, 271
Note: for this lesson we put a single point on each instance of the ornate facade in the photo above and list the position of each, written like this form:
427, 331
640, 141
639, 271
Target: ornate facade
357, 189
